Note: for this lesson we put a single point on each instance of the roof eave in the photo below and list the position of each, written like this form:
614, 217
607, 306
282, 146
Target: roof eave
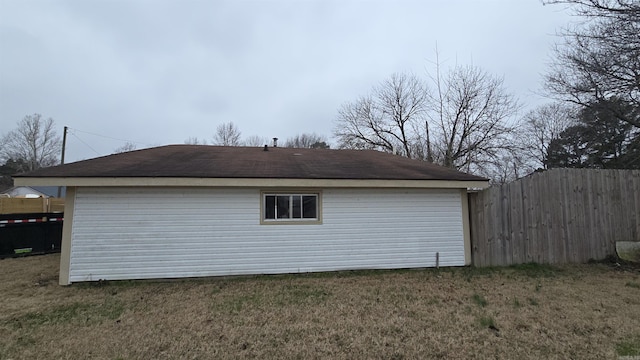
247, 182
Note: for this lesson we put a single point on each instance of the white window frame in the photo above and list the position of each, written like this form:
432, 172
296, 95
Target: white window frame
290, 219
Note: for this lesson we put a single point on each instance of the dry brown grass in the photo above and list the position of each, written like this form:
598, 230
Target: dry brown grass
585, 311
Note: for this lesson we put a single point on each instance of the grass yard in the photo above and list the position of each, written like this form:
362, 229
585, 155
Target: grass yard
526, 312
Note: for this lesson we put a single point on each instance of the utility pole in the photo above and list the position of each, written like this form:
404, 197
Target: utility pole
429, 155
64, 145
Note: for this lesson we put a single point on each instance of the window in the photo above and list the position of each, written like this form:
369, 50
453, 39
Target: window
279, 207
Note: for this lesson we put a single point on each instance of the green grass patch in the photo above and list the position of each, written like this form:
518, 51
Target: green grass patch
629, 347
469, 272
77, 313
533, 301
110, 285
535, 270
632, 284
399, 294
235, 304
285, 295
479, 300
336, 274
516, 303
532, 269
487, 321
432, 301
301, 294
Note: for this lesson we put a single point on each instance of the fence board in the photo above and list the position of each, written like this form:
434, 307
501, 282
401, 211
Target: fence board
558, 216
30, 205
56, 205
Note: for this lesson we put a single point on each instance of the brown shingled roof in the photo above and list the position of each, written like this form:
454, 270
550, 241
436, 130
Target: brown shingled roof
200, 161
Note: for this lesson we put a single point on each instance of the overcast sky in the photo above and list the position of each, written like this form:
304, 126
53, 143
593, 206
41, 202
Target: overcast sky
158, 72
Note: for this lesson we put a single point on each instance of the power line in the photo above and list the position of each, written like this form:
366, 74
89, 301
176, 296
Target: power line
109, 137
89, 146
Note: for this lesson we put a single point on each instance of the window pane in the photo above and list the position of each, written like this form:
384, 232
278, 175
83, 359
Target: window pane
297, 206
309, 207
270, 207
286, 207
283, 207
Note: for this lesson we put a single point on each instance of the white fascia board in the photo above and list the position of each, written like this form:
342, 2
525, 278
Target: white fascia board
245, 182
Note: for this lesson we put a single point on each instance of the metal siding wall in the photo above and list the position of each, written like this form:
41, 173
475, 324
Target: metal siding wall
136, 233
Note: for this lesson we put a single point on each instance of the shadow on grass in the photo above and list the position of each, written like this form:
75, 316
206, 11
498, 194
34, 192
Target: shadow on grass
629, 347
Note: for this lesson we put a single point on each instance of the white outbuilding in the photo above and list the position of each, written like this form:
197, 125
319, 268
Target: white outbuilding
192, 210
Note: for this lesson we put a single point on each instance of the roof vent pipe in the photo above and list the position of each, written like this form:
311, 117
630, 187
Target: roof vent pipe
275, 142
266, 148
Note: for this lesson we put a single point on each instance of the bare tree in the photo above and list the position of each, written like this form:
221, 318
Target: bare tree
227, 134
195, 141
508, 165
34, 143
599, 58
307, 141
255, 140
539, 127
384, 120
128, 146
463, 123
470, 112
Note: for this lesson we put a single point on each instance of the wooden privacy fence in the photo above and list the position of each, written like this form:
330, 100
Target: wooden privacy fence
557, 216
31, 205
